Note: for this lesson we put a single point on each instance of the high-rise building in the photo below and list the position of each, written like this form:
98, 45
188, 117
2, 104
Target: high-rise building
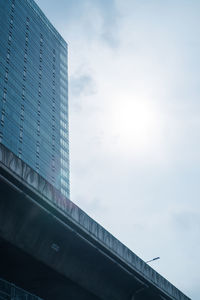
34, 91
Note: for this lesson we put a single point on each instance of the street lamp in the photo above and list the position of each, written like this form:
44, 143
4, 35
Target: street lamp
152, 259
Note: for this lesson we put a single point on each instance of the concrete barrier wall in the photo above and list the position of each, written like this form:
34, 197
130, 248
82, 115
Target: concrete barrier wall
78, 216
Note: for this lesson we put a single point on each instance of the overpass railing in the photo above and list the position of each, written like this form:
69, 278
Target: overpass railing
9, 291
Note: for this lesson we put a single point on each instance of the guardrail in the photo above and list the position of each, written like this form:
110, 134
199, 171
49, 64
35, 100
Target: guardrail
9, 291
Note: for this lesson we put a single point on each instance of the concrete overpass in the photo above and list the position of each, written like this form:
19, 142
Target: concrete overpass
51, 248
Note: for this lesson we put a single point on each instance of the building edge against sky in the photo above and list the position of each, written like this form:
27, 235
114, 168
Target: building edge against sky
34, 91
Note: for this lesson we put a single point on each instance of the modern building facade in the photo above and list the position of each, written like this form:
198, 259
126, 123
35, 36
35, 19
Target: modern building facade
34, 91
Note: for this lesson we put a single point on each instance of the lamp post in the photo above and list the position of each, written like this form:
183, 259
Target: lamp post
156, 258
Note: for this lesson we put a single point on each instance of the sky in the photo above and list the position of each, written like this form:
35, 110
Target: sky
134, 113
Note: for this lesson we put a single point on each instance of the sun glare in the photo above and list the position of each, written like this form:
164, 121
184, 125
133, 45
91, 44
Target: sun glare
135, 123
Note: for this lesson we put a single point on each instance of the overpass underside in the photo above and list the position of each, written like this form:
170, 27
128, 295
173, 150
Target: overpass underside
62, 253
43, 256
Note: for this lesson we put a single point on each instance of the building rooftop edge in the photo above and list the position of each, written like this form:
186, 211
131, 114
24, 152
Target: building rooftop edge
87, 224
47, 22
